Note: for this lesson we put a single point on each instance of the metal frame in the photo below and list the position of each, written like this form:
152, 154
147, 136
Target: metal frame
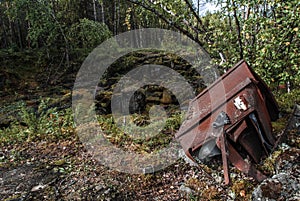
236, 112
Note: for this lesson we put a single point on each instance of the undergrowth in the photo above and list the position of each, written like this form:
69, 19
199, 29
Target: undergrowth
286, 101
44, 123
145, 142
41, 123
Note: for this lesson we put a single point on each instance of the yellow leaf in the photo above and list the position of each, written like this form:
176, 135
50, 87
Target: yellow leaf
59, 162
296, 29
247, 36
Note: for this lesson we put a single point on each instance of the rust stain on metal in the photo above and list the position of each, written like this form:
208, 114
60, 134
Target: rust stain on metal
233, 115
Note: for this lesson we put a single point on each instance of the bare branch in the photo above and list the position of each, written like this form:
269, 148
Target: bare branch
195, 14
165, 19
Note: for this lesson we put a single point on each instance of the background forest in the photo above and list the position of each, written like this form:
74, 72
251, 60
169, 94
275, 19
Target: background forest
263, 32
43, 44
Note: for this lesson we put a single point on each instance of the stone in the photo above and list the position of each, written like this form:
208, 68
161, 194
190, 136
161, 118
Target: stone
280, 187
166, 97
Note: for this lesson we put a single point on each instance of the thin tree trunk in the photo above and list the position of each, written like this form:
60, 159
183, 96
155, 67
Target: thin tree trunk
229, 17
188, 2
19, 34
115, 17
4, 33
53, 6
238, 30
198, 6
161, 15
102, 12
10, 36
95, 11
64, 37
118, 15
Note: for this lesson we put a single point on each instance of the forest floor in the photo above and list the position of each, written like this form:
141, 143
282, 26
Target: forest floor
60, 168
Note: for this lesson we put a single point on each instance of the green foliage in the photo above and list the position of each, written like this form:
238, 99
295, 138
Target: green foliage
222, 38
121, 136
269, 33
44, 124
55, 25
43, 29
173, 122
277, 50
286, 101
264, 33
88, 33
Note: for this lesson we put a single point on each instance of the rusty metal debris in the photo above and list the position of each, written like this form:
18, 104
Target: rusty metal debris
232, 117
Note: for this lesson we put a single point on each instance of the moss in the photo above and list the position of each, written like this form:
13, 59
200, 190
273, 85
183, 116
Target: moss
242, 189
195, 184
14, 197
269, 163
279, 125
210, 193
203, 190
286, 101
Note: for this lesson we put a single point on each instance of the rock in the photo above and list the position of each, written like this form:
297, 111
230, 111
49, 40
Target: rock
99, 187
285, 185
280, 187
137, 102
107, 191
166, 97
271, 189
186, 159
185, 189
152, 99
2, 156
38, 187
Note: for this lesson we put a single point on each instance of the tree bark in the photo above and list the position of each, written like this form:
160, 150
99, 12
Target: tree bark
102, 12
94, 9
115, 17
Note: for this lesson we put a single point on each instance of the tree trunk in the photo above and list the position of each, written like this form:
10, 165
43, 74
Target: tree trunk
94, 9
10, 35
118, 15
102, 12
19, 35
238, 30
4, 34
115, 18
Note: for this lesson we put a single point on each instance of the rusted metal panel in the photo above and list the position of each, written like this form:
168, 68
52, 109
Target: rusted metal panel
237, 109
